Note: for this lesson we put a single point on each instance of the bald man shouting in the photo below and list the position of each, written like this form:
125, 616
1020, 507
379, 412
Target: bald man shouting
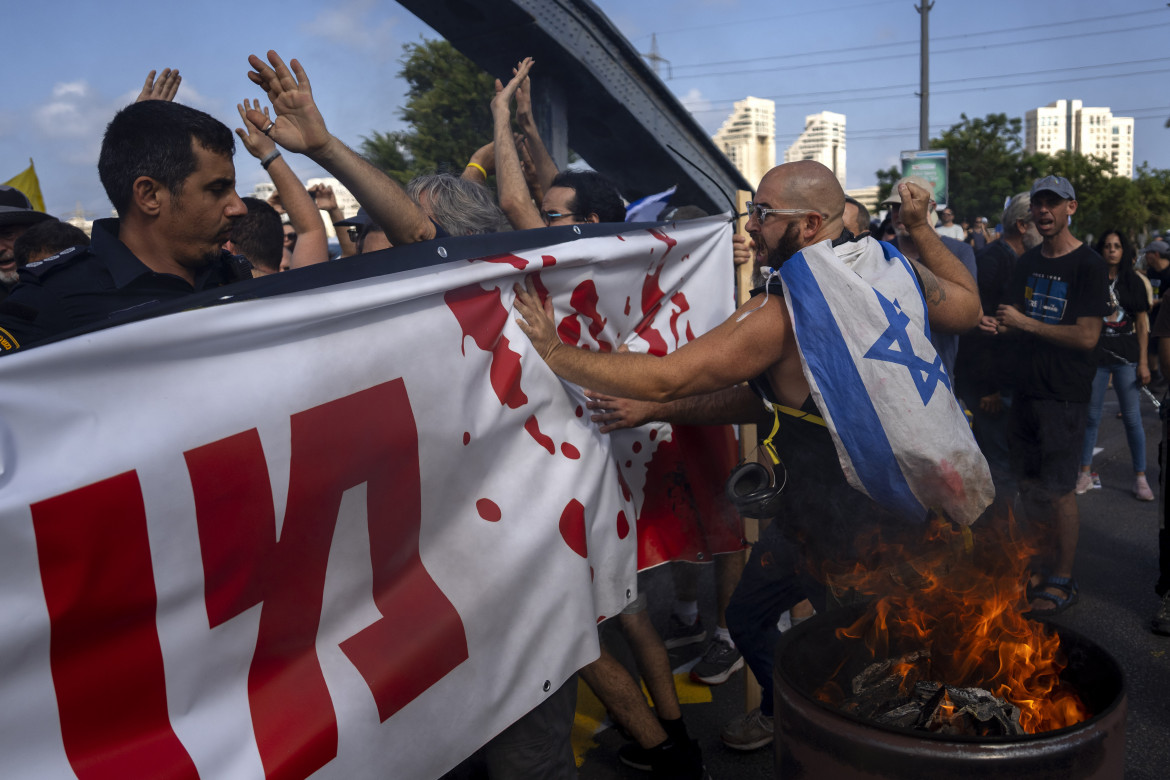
798, 205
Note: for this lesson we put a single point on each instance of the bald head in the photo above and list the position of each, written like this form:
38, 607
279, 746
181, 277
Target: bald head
809, 184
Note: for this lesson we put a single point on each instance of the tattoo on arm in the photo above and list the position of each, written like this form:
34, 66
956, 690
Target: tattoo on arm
931, 289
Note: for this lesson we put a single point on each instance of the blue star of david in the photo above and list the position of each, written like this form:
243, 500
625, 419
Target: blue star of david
894, 346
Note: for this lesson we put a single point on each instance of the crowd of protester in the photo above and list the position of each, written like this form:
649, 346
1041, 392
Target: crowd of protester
1032, 324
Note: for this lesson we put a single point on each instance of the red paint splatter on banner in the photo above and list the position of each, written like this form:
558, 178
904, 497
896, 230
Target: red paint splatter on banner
653, 434
690, 333
538, 283
466, 438
664, 238
547, 260
600, 618
623, 525
621, 238
519, 263
579, 411
488, 510
584, 302
636, 446
629, 463
533, 428
573, 527
482, 316
627, 304
570, 452
626, 494
652, 296
680, 300
684, 258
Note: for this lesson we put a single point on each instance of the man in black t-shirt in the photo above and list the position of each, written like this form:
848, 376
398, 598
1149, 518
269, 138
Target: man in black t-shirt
1059, 295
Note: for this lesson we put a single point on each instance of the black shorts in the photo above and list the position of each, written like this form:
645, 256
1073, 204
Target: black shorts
1046, 437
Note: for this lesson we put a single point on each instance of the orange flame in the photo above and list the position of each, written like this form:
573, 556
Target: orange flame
959, 594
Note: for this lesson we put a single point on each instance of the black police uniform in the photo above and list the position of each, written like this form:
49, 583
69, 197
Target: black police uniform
86, 285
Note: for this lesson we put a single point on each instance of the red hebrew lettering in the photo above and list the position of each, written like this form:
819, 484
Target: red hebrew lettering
584, 302
519, 263
371, 438
533, 427
570, 452
573, 527
664, 238
623, 525
488, 510
482, 317
104, 651
680, 300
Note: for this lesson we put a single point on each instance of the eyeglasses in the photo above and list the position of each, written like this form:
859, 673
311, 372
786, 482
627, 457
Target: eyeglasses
550, 216
761, 212
290, 239
355, 233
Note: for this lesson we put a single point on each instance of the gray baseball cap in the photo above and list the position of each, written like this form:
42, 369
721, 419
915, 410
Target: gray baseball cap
896, 197
1057, 185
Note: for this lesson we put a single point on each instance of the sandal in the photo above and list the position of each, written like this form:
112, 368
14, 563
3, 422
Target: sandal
1067, 585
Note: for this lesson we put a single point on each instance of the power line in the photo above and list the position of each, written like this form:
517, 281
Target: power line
869, 59
758, 19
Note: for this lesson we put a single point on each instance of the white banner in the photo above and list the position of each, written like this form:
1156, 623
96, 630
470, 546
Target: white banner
348, 532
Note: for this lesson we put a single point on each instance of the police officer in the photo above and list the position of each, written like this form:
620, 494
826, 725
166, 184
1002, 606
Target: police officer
168, 170
16, 216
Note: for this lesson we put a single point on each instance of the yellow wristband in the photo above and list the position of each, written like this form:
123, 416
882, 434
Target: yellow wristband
479, 168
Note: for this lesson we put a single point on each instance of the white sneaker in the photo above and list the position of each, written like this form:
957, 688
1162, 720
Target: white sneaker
749, 732
1084, 482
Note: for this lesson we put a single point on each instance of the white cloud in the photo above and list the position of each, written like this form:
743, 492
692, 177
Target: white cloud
694, 101
357, 25
72, 89
72, 112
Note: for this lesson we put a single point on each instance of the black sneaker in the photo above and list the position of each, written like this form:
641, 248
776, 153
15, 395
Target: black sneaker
720, 660
677, 761
679, 634
635, 756
1160, 622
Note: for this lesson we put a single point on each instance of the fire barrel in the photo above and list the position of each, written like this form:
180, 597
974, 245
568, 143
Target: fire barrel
817, 740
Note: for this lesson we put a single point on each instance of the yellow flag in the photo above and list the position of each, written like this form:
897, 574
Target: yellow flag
26, 182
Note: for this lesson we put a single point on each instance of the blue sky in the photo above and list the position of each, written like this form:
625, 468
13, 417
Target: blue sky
72, 64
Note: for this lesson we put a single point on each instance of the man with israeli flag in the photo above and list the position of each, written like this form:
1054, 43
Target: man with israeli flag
864, 426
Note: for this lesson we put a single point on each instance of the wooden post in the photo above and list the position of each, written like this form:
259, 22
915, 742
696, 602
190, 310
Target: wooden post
748, 439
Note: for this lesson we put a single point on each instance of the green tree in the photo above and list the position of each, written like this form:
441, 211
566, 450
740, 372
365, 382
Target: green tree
886, 181
984, 158
387, 151
447, 112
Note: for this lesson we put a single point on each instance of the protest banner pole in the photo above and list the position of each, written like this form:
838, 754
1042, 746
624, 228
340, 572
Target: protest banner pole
747, 433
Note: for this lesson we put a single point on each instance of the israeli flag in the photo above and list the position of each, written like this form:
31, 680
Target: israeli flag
861, 325
648, 208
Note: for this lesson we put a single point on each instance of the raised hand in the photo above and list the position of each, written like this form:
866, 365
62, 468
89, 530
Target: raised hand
505, 92
257, 144
323, 195
163, 89
299, 126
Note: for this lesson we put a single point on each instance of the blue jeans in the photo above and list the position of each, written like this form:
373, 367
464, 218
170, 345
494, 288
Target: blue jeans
1125, 383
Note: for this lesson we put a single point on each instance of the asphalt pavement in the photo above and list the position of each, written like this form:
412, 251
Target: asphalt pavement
1116, 568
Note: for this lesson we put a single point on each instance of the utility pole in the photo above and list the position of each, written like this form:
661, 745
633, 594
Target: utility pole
924, 60
657, 59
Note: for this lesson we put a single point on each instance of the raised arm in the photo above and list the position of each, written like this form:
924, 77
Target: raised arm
322, 195
299, 127
952, 297
163, 89
546, 169
515, 201
740, 348
312, 243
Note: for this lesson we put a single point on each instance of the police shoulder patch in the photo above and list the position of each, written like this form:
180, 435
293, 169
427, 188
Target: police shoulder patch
63, 259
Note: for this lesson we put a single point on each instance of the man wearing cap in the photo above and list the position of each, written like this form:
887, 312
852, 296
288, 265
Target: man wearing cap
365, 234
946, 344
1059, 296
16, 215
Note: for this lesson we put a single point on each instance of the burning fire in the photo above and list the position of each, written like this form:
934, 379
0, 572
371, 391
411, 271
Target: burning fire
958, 595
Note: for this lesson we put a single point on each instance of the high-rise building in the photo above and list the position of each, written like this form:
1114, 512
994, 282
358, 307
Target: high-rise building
1069, 125
748, 138
823, 140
